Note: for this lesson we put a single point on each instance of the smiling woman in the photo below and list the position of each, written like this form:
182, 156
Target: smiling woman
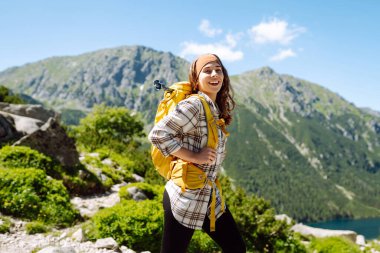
183, 133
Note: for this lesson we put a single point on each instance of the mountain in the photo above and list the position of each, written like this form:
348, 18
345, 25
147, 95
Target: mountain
120, 76
313, 154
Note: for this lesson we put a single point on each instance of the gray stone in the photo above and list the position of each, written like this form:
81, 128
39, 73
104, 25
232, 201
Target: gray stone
78, 236
51, 139
360, 240
138, 178
30, 111
132, 190
106, 243
139, 196
319, 232
52, 249
283, 217
8, 131
124, 249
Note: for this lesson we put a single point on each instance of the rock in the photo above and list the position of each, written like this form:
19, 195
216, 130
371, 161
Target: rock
62, 236
138, 178
106, 243
116, 187
132, 190
108, 162
139, 196
360, 240
283, 217
319, 232
78, 236
136, 193
26, 125
30, 111
126, 250
51, 139
8, 130
52, 249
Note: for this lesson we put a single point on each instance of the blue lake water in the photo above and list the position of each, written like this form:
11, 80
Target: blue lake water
370, 228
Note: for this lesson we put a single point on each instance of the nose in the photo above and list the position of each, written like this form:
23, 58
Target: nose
214, 73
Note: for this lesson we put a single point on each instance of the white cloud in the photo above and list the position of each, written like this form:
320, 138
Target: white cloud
274, 31
225, 52
232, 39
206, 29
283, 54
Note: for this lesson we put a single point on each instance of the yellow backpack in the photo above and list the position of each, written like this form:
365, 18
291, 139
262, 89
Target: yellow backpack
172, 96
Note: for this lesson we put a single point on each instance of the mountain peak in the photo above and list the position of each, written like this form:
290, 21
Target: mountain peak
265, 71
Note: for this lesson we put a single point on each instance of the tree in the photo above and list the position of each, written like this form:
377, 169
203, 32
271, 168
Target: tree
7, 96
112, 127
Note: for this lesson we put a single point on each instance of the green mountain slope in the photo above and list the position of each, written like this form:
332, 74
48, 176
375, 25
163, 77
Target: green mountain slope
307, 150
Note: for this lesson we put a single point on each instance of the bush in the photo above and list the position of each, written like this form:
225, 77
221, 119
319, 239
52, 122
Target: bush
201, 242
256, 221
35, 227
334, 245
8, 97
151, 191
29, 194
78, 181
138, 225
5, 224
112, 127
25, 157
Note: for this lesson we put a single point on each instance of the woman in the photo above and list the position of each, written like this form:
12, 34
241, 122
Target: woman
183, 134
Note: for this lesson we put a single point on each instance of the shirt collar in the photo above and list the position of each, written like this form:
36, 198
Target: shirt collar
213, 106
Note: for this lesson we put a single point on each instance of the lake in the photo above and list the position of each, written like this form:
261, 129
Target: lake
370, 228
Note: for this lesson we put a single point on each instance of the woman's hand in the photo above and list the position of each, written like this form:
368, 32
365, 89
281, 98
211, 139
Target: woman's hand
205, 156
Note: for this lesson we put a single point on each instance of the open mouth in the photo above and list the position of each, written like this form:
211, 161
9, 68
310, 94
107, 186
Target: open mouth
214, 83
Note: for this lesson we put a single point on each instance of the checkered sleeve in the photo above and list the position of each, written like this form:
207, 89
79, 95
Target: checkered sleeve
167, 134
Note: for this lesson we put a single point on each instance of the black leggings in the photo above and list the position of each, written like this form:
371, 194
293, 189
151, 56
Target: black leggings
177, 237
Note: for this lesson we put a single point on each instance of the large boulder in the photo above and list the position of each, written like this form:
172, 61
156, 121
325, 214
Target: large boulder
51, 139
8, 131
30, 111
39, 129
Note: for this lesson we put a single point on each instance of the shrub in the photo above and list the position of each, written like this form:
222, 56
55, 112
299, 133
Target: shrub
151, 191
334, 245
78, 180
7, 96
256, 221
25, 157
29, 194
201, 242
112, 127
5, 224
138, 225
35, 227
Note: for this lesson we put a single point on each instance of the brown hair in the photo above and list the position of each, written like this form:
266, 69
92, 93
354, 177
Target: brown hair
224, 98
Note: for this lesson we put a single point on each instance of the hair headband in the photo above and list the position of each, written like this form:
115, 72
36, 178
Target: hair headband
203, 60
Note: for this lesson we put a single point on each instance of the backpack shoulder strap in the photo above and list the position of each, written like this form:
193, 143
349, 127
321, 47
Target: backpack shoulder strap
212, 137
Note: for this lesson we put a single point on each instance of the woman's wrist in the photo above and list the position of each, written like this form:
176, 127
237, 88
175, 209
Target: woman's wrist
186, 155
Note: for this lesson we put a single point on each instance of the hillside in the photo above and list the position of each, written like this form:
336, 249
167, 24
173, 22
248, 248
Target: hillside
310, 152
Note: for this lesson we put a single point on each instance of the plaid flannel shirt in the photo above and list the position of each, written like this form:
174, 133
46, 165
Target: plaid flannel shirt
186, 127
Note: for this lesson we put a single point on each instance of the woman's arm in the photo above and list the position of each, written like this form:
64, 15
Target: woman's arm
205, 156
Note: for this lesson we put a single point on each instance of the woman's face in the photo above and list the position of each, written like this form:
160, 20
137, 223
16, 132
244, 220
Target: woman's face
210, 79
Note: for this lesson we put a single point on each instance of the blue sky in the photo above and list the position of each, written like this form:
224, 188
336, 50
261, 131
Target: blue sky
335, 44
